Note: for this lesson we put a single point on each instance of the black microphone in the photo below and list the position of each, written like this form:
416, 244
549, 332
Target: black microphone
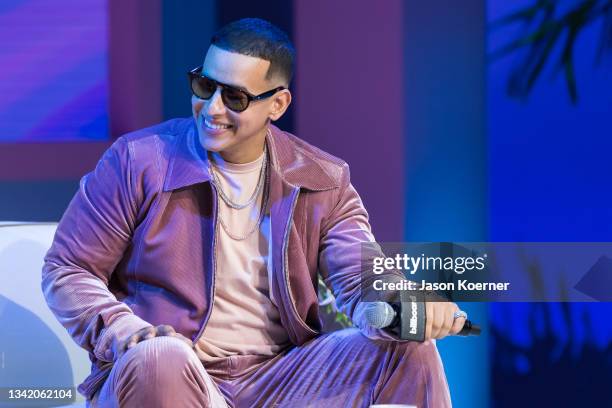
406, 319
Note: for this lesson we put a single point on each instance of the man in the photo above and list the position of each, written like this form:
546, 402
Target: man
187, 262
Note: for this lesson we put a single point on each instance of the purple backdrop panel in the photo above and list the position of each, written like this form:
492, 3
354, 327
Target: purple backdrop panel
349, 97
53, 70
49, 161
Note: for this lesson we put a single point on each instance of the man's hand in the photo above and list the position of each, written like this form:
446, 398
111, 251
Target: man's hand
440, 320
145, 334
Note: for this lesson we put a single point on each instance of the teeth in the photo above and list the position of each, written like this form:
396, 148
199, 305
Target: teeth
213, 126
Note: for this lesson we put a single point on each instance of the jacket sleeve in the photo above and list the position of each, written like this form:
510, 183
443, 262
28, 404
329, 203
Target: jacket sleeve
343, 257
89, 242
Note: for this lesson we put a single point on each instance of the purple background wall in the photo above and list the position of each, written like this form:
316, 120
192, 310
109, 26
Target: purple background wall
350, 100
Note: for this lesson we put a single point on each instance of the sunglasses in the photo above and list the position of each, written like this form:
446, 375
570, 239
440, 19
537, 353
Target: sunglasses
233, 98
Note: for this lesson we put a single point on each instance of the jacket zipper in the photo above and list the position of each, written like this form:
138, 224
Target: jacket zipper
214, 266
286, 265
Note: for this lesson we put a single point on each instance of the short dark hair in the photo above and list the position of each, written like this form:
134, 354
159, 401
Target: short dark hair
261, 39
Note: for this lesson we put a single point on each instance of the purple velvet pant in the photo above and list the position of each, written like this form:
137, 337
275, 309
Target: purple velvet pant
338, 369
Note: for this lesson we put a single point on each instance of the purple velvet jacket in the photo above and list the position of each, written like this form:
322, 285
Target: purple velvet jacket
136, 245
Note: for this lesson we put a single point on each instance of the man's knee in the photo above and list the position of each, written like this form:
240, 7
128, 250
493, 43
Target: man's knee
161, 357
144, 375
421, 356
415, 374
425, 352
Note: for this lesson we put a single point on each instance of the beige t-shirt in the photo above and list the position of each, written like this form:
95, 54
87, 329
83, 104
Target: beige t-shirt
244, 318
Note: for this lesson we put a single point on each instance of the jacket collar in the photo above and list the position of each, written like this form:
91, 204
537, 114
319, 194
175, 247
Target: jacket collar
188, 163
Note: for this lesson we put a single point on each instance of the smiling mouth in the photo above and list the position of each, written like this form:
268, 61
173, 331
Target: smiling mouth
216, 126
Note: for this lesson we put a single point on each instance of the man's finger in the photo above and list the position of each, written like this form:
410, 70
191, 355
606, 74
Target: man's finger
438, 321
457, 325
429, 321
149, 334
165, 330
131, 341
447, 323
140, 335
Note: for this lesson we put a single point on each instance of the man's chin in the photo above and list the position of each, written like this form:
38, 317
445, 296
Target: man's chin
212, 144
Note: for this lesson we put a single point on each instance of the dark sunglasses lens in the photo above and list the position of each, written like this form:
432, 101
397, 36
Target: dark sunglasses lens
235, 99
203, 87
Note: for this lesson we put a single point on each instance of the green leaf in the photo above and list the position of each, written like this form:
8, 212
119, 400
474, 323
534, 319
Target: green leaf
568, 64
542, 39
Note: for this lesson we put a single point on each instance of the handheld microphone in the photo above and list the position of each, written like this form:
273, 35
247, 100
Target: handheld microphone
407, 318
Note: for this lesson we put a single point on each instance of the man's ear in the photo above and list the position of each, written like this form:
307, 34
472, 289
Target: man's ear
280, 103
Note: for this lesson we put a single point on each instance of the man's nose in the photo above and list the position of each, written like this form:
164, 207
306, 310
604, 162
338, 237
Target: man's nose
215, 106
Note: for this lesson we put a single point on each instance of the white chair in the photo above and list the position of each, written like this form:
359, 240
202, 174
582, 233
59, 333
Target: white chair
35, 350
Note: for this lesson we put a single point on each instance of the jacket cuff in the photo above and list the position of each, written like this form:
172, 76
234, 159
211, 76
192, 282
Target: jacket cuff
122, 327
